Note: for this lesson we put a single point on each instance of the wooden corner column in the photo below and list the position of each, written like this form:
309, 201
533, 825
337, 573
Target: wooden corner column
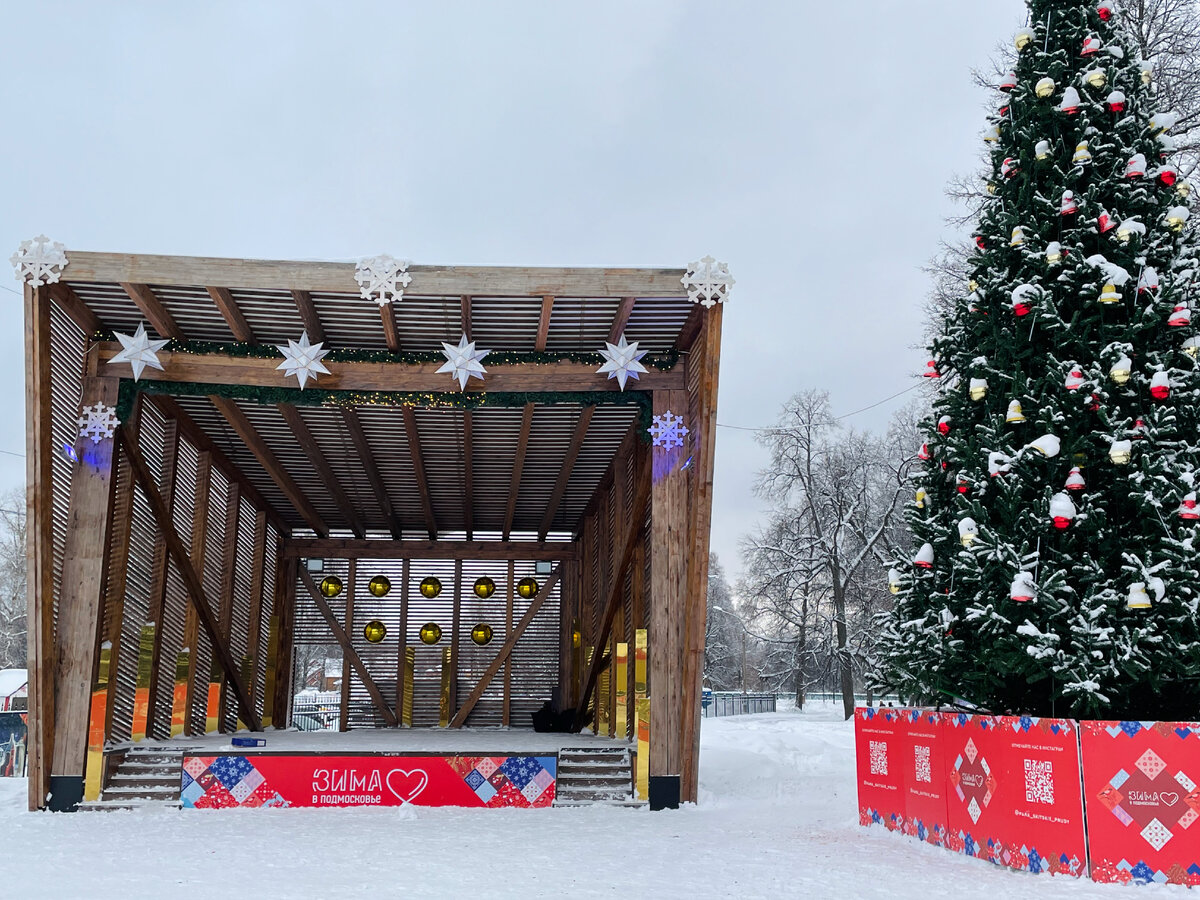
88, 523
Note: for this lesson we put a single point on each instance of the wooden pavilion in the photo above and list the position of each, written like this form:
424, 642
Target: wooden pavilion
183, 525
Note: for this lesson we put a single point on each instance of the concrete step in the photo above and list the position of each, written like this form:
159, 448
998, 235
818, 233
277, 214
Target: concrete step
112, 805
631, 803
123, 778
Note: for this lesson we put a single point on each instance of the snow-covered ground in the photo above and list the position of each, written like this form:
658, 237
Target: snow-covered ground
777, 818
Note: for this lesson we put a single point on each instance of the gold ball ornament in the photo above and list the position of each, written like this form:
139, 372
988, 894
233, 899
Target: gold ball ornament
1110, 294
1044, 88
1096, 78
991, 188
576, 638
1192, 347
379, 586
430, 588
1121, 370
1121, 452
527, 588
978, 389
1177, 217
1023, 38
481, 634
431, 633
331, 586
484, 587
374, 631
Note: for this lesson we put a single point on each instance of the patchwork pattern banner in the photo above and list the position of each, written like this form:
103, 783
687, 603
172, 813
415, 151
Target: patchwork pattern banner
1140, 781
880, 747
265, 780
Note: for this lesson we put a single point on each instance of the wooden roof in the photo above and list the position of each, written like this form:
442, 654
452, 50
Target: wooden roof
524, 468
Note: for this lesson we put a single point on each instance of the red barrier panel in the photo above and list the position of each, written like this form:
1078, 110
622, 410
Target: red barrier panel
1014, 792
925, 784
879, 751
1140, 782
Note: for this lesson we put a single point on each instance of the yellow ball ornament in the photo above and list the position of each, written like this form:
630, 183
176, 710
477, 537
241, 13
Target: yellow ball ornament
1110, 294
1023, 38
375, 631
431, 633
481, 634
379, 586
527, 588
430, 588
1044, 88
484, 587
331, 586
1096, 78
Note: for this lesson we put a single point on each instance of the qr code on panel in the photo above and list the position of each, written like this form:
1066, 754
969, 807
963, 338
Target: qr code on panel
921, 758
1039, 781
879, 758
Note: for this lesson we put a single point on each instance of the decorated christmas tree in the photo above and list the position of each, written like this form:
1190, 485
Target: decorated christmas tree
1056, 562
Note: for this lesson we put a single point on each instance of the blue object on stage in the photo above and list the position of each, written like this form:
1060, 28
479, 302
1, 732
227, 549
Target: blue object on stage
248, 742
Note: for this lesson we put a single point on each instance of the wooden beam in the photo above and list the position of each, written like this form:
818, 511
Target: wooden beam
200, 439
633, 532
80, 603
269, 461
198, 554
506, 650
465, 316
233, 514
232, 314
366, 458
373, 548
344, 706
691, 328
308, 315
455, 632
414, 449
308, 443
514, 487
564, 473
506, 708
621, 319
159, 317
81, 314
402, 641
258, 568
158, 574
224, 369
387, 316
441, 281
543, 330
191, 580
348, 649
468, 476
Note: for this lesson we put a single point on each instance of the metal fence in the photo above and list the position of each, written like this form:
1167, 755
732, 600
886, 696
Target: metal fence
732, 703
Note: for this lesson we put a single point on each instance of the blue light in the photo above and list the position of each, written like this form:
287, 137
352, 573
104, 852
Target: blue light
68, 450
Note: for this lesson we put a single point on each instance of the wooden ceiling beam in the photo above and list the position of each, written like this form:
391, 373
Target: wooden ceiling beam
543, 332
624, 311
366, 458
156, 314
308, 315
308, 443
690, 329
387, 316
468, 476
218, 368
564, 473
514, 486
465, 315
414, 447
79, 312
375, 548
232, 313
270, 462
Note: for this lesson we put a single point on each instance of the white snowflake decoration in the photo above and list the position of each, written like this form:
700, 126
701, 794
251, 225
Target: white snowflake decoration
39, 261
98, 422
621, 361
463, 361
668, 430
382, 278
303, 359
707, 282
139, 351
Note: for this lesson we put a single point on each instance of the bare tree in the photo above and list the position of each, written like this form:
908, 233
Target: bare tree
12, 579
812, 571
724, 634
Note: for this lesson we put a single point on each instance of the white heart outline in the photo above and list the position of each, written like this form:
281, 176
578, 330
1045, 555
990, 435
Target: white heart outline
407, 773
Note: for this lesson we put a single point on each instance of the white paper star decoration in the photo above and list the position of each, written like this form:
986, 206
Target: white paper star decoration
98, 422
621, 361
668, 430
39, 261
139, 351
382, 278
707, 282
463, 361
303, 359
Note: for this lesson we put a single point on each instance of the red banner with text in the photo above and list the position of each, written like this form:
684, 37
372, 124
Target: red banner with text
1142, 800
880, 751
925, 784
264, 780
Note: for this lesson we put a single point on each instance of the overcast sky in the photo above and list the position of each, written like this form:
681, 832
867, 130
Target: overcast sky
805, 143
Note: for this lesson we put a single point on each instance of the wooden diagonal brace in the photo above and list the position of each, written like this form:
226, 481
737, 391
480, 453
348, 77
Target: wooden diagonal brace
351, 654
191, 581
505, 651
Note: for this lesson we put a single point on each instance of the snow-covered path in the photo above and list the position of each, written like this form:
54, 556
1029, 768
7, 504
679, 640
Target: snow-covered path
777, 819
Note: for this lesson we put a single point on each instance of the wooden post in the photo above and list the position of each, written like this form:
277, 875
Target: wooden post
257, 584
456, 629
668, 607
344, 708
158, 578
87, 539
402, 646
283, 660
228, 574
508, 623
191, 628
39, 543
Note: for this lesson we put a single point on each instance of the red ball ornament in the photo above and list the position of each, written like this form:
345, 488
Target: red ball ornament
943, 425
923, 454
1094, 403
963, 485
1167, 176
1105, 222
1075, 480
979, 242
1008, 82
1062, 523
1009, 167
931, 370
1188, 510
1105, 10
1180, 317
1160, 386
1091, 46
1116, 102
1074, 379
1069, 205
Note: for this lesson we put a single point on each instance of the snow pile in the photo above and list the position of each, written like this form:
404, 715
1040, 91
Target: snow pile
778, 818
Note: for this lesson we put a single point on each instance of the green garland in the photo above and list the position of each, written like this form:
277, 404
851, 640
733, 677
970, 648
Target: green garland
267, 396
664, 362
